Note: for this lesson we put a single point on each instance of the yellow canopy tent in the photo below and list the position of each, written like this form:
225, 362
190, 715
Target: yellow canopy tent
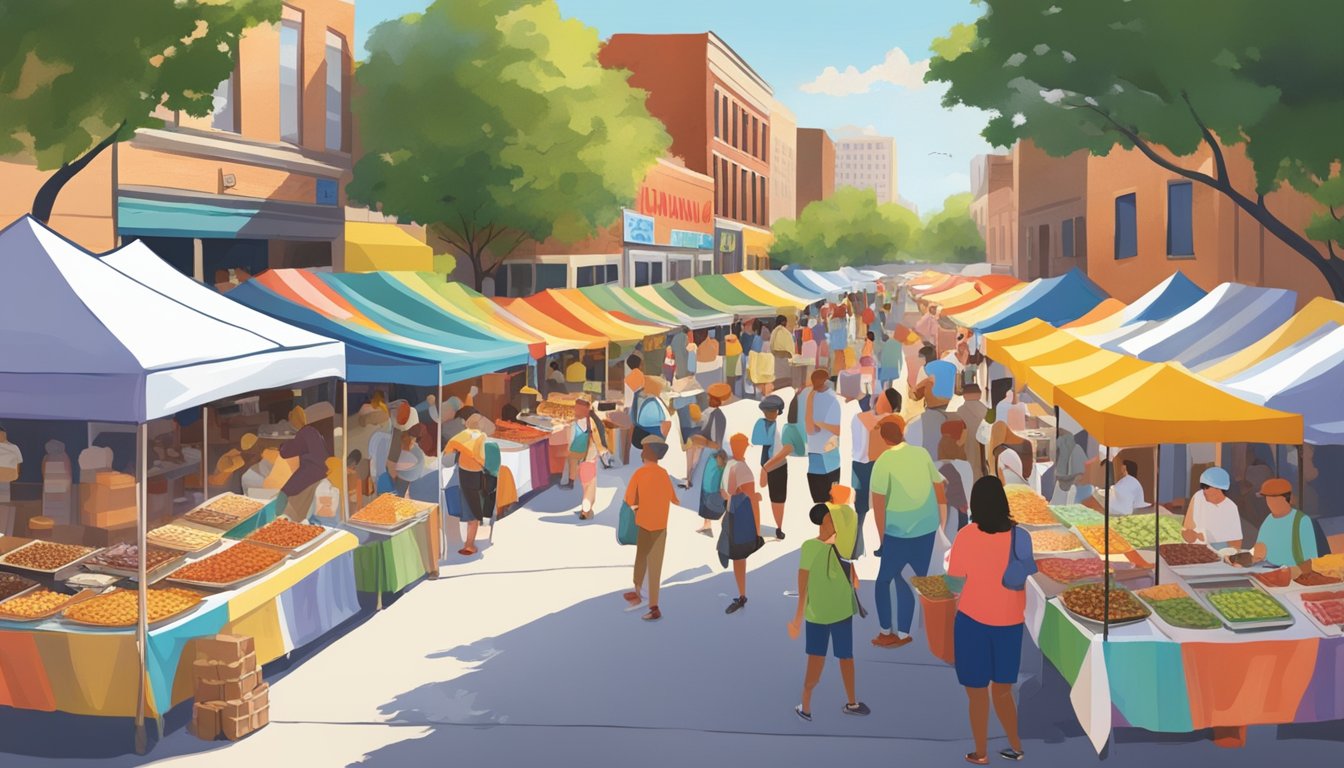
1070, 363
767, 295
991, 307
996, 342
1317, 313
373, 247
1019, 353
1161, 403
551, 327
954, 296
619, 330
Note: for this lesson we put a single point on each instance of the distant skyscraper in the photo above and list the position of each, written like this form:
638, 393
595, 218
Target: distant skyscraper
866, 162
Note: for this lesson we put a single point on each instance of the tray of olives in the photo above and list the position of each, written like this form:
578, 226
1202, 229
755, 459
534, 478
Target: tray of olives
1241, 603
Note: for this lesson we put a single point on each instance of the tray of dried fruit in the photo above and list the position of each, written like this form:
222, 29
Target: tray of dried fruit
233, 565
225, 511
41, 604
1241, 603
1086, 603
123, 560
1094, 536
1068, 569
46, 557
285, 535
12, 585
389, 513
1189, 558
1175, 610
1028, 507
119, 609
1325, 609
933, 587
186, 537
1054, 541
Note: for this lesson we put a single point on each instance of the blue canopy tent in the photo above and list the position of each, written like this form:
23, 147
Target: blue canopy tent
1230, 317
1055, 300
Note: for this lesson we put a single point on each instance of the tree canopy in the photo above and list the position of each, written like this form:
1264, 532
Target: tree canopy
951, 234
1169, 79
77, 76
847, 228
493, 122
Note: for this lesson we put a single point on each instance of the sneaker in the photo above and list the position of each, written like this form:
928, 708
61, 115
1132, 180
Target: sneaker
633, 598
859, 709
653, 615
737, 604
779, 534
798, 710
1011, 754
890, 640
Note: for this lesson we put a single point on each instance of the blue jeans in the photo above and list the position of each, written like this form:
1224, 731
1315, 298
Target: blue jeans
896, 554
861, 473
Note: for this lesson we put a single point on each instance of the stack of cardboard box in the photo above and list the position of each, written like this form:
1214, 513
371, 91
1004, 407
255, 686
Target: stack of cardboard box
231, 698
109, 501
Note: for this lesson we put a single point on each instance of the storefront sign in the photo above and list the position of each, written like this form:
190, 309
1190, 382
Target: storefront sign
328, 192
727, 250
683, 239
668, 205
638, 228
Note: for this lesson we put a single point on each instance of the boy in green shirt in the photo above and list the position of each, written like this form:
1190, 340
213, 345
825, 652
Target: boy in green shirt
826, 600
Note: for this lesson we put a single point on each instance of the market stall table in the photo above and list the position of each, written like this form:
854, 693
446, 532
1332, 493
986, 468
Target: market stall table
389, 561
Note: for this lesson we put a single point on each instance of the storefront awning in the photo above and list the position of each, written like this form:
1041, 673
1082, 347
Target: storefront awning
373, 246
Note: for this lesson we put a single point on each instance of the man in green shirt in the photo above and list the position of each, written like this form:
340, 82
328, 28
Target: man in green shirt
826, 600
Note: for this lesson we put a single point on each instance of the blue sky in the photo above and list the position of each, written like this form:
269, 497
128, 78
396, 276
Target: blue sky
791, 43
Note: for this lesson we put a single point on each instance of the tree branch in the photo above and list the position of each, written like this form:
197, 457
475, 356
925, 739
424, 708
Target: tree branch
1219, 162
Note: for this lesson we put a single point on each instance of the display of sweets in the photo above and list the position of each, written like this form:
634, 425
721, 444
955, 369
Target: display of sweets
1067, 570
1076, 515
388, 509
1326, 607
126, 557
230, 565
119, 608
1312, 579
1089, 601
1162, 592
1187, 554
932, 587
1096, 537
1138, 530
1055, 541
45, 556
11, 584
1277, 578
1241, 605
285, 533
42, 602
1186, 613
1028, 507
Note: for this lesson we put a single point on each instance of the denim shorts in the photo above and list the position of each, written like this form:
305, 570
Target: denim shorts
839, 636
986, 653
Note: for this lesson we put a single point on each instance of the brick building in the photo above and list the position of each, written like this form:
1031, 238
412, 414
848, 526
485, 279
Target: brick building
816, 166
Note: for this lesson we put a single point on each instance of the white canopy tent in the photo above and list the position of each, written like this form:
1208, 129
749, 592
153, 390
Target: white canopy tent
1305, 378
83, 341
1224, 321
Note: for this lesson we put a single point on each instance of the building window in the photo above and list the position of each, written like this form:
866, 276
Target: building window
1066, 239
584, 277
613, 273
335, 61
725, 118
225, 114
1080, 237
746, 132
755, 138
518, 280
1043, 245
552, 276
734, 142
765, 139
716, 114
291, 95
743, 192
1126, 227
1180, 224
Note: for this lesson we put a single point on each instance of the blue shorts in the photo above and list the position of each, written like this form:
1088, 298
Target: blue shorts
839, 636
986, 653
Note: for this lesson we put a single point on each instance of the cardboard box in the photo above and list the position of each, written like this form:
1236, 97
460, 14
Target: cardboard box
224, 648
207, 720
235, 689
203, 669
259, 697
261, 717
114, 480
237, 669
235, 728
209, 691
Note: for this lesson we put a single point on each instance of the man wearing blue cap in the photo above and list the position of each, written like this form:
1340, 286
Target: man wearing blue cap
1212, 517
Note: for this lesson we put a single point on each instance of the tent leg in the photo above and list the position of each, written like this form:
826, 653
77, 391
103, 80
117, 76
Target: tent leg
1302, 476
141, 624
1157, 515
438, 471
1106, 557
205, 451
344, 514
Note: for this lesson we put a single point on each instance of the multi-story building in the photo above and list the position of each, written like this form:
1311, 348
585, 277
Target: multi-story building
783, 192
257, 183
816, 167
717, 110
1051, 203
867, 162
979, 210
1145, 222
1000, 214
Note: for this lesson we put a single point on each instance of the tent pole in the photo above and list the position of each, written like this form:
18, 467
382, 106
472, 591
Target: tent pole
1106, 557
1302, 476
205, 451
345, 451
438, 469
141, 624
1157, 517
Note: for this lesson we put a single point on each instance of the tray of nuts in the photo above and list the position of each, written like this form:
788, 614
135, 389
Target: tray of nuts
13, 585
45, 556
124, 560
288, 536
229, 567
226, 511
184, 537
389, 513
1087, 603
41, 604
120, 607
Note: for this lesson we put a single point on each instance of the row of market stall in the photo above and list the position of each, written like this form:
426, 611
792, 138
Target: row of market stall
1179, 366
195, 417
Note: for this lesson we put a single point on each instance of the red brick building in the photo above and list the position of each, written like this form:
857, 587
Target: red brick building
816, 166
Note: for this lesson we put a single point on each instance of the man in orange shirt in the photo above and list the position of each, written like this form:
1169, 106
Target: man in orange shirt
651, 495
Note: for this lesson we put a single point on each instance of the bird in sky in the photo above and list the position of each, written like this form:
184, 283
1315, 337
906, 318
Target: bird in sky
944, 154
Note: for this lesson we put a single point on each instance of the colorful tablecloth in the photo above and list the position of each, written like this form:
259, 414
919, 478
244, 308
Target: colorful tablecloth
53, 666
389, 564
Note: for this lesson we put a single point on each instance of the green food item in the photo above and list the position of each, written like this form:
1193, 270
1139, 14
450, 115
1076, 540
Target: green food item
1138, 530
1186, 613
1246, 605
1077, 514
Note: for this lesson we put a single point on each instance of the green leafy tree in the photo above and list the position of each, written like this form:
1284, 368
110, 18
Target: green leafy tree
77, 76
1169, 78
847, 228
492, 122
951, 234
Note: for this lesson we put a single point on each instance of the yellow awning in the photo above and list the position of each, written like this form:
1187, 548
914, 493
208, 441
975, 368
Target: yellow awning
1070, 363
1022, 332
1020, 352
1161, 403
954, 296
990, 307
1317, 313
374, 247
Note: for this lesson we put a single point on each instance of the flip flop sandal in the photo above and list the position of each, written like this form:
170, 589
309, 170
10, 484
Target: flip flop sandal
466, 552
975, 759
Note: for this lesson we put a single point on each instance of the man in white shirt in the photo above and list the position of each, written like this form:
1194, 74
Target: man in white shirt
1212, 517
1127, 492
11, 458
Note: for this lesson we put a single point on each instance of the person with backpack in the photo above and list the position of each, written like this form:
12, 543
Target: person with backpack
651, 416
994, 557
712, 501
769, 433
740, 536
827, 602
474, 478
1287, 536
584, 450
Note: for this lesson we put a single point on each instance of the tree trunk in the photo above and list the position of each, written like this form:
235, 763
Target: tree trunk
45, 199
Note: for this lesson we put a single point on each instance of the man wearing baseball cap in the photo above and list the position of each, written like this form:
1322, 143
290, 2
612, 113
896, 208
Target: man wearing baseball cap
1212, 517
1287, 537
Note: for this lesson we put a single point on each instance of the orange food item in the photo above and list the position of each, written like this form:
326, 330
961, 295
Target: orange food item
1028, 507
120, 607
233, 564
387, 509
1054, 541
1096, 536
286, 533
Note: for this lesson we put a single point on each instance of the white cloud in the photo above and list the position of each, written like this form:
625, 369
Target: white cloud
896, 69
851, 131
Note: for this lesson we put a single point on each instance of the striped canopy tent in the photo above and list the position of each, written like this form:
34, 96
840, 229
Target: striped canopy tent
619, 326
1305, 379
986, 306
1229, 318
613, 298
715, 291
549, 317
762, 293
700, 316
1318, 318
813, 281
938, 286
859, 279
961, 293
1056, 300
470, 306
1169, 297
783, 282
1103, 312
994, 290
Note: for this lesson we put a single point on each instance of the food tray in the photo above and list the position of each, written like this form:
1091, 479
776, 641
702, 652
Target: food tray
124, 627
181, 548
220, 587
385, 530
78, 597
1097, 623
237, 520
151, 577
1217, 564
422, 510
1116, 554
31, 586
1172, 630
1330, 630
302, 549
1069, 556
1170, 525
1076, 547
50, 572
1200, 587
